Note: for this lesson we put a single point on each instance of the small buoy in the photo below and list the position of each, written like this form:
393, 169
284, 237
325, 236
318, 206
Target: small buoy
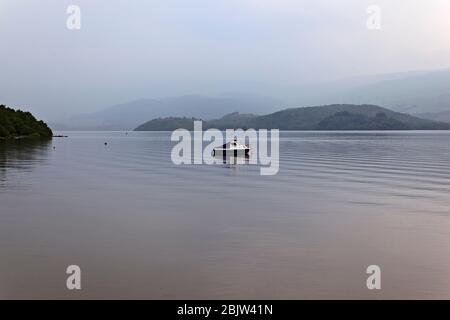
106, 143
54, 148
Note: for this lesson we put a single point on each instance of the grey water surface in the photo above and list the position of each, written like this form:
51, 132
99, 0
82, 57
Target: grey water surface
141, 227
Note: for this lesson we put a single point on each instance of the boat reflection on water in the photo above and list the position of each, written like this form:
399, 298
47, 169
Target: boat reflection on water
232, 160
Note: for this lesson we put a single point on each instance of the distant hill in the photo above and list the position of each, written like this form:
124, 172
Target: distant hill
330, 117
423, 92
232, 120
354, 121
411, 92
415, 92
129, 115
167, 124
443, 116
20, 124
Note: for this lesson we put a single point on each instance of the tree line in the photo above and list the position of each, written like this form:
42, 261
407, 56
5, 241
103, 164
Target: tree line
17, 124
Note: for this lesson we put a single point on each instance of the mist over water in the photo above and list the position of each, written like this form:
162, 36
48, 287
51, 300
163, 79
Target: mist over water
141, 227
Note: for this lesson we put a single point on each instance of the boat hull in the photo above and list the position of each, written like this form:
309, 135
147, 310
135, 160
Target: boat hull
230, 153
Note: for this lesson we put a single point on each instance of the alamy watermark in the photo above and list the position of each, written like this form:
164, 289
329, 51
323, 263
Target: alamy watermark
73, 281
190, 150
73, 21
374, 280
374, 20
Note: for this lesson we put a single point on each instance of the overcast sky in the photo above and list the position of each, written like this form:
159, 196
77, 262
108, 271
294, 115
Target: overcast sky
132, 49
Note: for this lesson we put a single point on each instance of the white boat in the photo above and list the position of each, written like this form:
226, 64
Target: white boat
233, 148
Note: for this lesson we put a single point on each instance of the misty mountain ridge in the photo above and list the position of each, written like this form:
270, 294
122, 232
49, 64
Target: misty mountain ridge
127, 116
415, 92
329, 117
412, 92
435, 116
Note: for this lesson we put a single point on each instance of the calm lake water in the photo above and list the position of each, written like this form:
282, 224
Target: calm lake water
141, 227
